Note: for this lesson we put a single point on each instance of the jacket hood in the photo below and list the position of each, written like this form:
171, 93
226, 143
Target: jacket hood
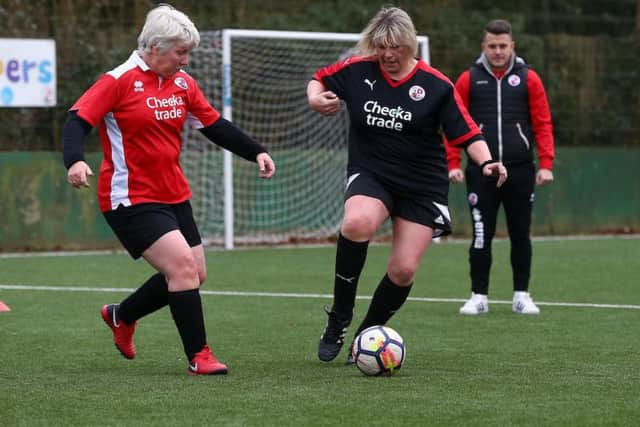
482, 60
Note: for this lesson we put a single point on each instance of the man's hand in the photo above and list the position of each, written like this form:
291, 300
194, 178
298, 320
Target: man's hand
456, 176
544, 176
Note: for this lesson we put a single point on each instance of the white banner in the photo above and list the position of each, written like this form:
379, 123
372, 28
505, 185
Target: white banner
27, 72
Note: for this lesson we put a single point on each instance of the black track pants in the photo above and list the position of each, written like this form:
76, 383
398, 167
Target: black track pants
516, 195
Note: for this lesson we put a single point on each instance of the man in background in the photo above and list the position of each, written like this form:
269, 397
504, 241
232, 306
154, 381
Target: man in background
508, 101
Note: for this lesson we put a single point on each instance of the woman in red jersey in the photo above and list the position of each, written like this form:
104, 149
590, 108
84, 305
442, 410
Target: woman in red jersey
140, 107
398, 107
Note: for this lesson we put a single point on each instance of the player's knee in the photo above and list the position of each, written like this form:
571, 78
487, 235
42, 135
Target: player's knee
358, 227
184, 272
402, 273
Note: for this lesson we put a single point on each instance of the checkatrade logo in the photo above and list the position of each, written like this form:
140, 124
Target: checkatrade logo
27, 72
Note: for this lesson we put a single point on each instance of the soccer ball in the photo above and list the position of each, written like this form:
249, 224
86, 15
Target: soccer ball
378, 350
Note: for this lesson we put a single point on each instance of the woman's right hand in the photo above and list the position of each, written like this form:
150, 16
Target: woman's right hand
326, 103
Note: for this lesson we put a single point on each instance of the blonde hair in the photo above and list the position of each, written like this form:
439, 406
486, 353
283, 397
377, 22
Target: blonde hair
164, 27
391, 26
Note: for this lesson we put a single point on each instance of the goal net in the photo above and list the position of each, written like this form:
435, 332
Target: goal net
258, 80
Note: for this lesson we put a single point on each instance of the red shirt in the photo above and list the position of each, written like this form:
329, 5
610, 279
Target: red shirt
141, 116
538, 110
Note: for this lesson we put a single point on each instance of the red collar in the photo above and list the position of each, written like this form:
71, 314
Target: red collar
499, 73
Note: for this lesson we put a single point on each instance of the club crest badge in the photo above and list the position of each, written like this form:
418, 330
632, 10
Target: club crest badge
181, 83
473, 199
513, 80
417, 93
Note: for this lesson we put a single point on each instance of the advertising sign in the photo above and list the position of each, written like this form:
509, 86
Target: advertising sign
27, 72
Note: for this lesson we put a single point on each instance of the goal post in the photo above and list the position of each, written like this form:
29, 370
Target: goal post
259, 77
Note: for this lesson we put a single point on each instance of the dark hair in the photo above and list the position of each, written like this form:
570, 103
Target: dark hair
497, 26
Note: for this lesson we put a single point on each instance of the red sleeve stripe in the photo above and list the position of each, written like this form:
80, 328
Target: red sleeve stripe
465, 113
429, 69
334, 68
464, 138
459, 102
463, 86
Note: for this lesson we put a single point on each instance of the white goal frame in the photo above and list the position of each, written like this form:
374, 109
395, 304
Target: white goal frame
227, 111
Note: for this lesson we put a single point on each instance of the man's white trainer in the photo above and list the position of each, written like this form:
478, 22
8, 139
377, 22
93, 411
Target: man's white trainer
477, 304
523, 304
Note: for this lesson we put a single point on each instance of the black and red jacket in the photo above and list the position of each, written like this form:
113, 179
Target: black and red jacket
512, 110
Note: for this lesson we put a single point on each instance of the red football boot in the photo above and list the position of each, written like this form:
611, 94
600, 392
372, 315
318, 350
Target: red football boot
205, 363
122, 333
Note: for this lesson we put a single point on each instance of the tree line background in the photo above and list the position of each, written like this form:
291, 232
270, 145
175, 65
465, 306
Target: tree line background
584, 50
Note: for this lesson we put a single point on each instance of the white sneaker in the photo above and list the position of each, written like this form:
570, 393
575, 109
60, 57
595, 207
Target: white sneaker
477, 304
523, 304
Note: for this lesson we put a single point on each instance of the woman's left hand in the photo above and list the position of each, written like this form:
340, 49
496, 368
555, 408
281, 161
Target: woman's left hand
496, 169
266, 165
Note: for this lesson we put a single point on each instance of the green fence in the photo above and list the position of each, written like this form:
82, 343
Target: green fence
596, 190
40, 211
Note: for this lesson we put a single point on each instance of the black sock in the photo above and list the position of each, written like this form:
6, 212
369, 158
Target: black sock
350, 258
186, 309
387, 299
151, 296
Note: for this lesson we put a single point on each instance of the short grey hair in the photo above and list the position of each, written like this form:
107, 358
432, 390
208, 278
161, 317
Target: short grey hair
164, 27
391, 26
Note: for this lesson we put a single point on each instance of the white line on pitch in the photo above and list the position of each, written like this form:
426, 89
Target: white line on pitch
574, 237
299, 295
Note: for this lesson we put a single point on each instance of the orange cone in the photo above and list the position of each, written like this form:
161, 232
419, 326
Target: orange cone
4, 307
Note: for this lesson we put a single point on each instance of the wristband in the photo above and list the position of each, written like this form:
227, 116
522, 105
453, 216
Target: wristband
488, 162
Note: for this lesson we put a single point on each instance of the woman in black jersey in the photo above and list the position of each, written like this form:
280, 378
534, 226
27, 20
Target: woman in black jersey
399, 107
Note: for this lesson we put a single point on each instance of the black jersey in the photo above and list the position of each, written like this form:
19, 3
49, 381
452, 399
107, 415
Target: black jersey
395, 131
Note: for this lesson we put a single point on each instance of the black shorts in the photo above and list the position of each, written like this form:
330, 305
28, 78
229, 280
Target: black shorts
139, 226
419, 208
